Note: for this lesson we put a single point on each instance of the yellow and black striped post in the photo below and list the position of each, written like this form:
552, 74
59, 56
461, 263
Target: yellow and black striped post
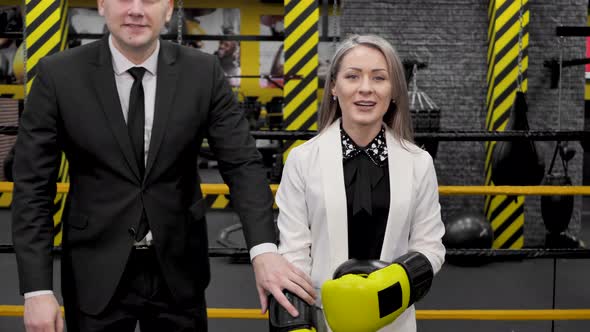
218, 201
301, 60
506, 19
11, 91
46, 29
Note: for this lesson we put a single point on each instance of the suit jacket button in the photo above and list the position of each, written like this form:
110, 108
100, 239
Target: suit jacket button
132, 231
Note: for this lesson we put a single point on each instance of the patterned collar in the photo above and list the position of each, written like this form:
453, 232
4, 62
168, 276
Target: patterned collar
376, 150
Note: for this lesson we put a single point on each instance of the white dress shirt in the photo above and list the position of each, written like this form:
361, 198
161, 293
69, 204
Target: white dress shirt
124, 82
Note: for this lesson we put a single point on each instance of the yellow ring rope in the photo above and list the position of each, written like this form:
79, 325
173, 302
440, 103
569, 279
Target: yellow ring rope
222, 189
548, 314
540, 314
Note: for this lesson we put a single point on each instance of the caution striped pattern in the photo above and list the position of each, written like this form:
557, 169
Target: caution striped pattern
301, 60
11, 91
46, 31
505, 213
218, 201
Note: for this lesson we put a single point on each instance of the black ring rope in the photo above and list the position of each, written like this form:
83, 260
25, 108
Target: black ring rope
454, 135
71, 36
502, 254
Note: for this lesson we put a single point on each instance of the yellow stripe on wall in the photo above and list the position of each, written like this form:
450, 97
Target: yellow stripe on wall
301, 59
50, 33
506, 214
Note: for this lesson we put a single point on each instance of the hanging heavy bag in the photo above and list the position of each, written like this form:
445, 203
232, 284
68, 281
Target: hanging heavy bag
557, 210
517, 162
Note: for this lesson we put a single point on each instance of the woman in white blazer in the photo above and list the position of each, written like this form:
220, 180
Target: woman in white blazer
360, 188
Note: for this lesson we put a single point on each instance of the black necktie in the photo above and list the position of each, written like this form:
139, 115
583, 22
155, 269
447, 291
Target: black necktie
135, 127
136, 117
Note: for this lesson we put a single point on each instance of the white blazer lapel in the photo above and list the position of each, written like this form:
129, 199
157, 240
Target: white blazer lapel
334, 194
401, 191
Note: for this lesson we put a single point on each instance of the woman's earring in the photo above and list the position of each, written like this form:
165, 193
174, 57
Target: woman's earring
393, 101
334, 98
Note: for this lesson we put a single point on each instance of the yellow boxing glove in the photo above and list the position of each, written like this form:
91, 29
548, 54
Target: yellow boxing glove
365, 296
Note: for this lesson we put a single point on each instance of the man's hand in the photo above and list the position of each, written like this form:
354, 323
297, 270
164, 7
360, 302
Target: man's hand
43, 314
273, 274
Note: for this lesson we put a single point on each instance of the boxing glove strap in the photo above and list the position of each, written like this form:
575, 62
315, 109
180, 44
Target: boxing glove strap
281, 321
420, 274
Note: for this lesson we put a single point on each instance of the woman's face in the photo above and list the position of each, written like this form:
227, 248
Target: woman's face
363, 87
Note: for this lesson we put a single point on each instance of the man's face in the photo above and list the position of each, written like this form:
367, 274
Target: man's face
226, 48
135, 24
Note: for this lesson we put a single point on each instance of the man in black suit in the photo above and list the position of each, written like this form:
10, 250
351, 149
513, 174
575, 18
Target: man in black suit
130, 111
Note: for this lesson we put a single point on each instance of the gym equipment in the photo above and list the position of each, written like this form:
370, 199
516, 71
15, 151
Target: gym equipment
468, 230
424, 112
366, 295
251, 108
557, 210
279, 320
517, 163
563, 241
274, 115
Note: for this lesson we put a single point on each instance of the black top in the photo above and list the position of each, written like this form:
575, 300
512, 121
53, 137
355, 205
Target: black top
366, 180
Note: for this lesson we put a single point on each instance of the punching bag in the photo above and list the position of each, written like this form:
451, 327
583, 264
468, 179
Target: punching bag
468, 230
557, 210
517, 162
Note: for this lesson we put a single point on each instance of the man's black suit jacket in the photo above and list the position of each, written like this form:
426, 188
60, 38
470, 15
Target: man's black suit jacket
74, 107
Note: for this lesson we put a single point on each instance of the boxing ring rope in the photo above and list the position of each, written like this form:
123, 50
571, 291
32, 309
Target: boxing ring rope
442, 135
488, 315
223, 189
493, 314
469, 314
514, 190
489, 254
451, 135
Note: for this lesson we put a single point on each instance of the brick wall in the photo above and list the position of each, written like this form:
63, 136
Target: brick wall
450, 36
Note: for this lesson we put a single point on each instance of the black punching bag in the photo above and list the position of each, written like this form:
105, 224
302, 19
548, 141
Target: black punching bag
517, 162
557, 210
468, 230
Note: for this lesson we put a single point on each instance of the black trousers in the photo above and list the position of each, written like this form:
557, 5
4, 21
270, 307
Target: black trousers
142, 296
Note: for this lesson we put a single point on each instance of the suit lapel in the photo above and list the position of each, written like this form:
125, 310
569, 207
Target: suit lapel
330, 154
401, 191
167, 77
106, 90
